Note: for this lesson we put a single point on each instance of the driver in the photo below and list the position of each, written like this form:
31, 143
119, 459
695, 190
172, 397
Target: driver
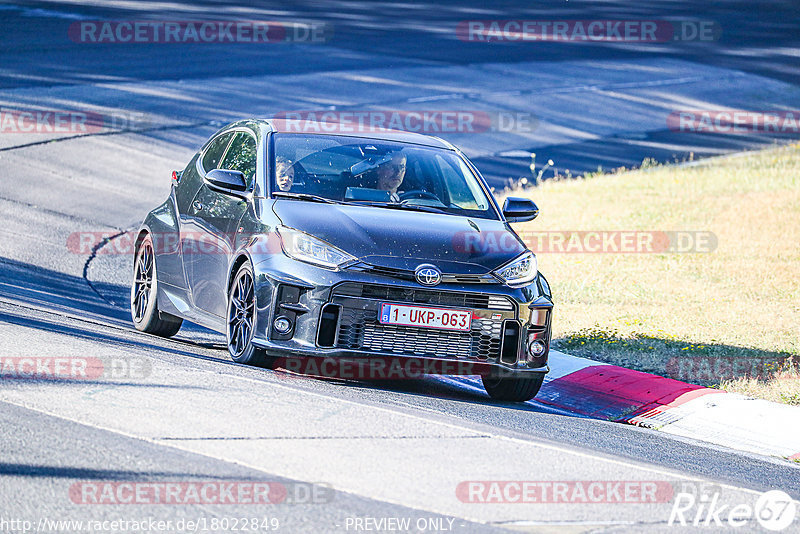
391, 174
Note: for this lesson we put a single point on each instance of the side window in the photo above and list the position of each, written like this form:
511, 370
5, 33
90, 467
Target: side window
463, 193
215, 151
242, 156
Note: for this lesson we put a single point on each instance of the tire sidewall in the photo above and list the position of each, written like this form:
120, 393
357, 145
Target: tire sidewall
513, 389
247, 355
151, 309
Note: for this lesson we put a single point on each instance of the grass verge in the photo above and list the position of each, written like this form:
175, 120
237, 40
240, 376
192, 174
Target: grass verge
725, 316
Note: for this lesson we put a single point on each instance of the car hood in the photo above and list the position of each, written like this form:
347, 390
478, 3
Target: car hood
403, 239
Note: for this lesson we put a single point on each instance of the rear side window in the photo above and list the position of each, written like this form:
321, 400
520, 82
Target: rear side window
215, 151
241, 156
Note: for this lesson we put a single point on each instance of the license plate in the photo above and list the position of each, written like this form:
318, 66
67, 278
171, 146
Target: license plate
424, 317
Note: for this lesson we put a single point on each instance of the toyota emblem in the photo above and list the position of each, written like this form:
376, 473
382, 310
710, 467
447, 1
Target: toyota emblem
428, 275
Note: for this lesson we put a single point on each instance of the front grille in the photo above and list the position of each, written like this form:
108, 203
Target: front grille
359, 330
404, 274
426, 296
385, 338
400, 274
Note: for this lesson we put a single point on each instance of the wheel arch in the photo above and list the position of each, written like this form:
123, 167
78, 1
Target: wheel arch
241, 258
143, 232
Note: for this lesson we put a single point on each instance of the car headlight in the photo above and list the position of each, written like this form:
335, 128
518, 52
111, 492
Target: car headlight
305, 247
519, 271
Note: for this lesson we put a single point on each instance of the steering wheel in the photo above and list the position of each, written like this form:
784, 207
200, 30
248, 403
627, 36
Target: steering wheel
417, 193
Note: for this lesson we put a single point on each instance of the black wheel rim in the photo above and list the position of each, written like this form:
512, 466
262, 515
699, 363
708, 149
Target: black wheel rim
143, 281
240, 315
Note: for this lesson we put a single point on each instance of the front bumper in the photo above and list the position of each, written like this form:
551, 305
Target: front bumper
334, 314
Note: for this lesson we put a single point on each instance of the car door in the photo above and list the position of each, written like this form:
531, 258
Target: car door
167, 238
214, 219
191, 234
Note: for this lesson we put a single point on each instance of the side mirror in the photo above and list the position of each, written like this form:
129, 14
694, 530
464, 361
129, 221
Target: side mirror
517, 210
227, 181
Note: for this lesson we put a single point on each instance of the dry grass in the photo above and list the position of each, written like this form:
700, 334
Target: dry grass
703, 317
780, 389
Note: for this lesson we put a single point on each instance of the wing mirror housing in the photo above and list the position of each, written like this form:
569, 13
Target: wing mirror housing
227, 181
517, 210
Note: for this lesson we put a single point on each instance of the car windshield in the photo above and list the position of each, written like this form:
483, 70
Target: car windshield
378, 173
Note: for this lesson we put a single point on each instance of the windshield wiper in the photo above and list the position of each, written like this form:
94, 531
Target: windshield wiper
304, 196
390, 205
396, 206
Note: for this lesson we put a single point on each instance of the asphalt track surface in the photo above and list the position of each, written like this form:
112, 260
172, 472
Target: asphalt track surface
377, 449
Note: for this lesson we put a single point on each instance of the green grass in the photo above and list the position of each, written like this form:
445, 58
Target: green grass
728, 318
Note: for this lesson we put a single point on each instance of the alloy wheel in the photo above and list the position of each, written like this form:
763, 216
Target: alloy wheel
143, 281
240, 314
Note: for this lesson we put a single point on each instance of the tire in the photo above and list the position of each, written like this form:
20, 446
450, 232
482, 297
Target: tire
512, 389
144, 295
240, 321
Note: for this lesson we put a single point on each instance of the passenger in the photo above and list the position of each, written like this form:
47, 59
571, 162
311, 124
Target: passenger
284, 173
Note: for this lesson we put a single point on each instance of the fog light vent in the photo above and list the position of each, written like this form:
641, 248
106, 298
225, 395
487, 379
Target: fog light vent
510, 344
328, 325
286, 312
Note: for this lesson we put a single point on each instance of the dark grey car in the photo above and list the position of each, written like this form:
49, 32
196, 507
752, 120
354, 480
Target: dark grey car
347, 247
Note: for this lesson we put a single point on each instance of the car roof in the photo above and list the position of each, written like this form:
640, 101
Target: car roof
280, 125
